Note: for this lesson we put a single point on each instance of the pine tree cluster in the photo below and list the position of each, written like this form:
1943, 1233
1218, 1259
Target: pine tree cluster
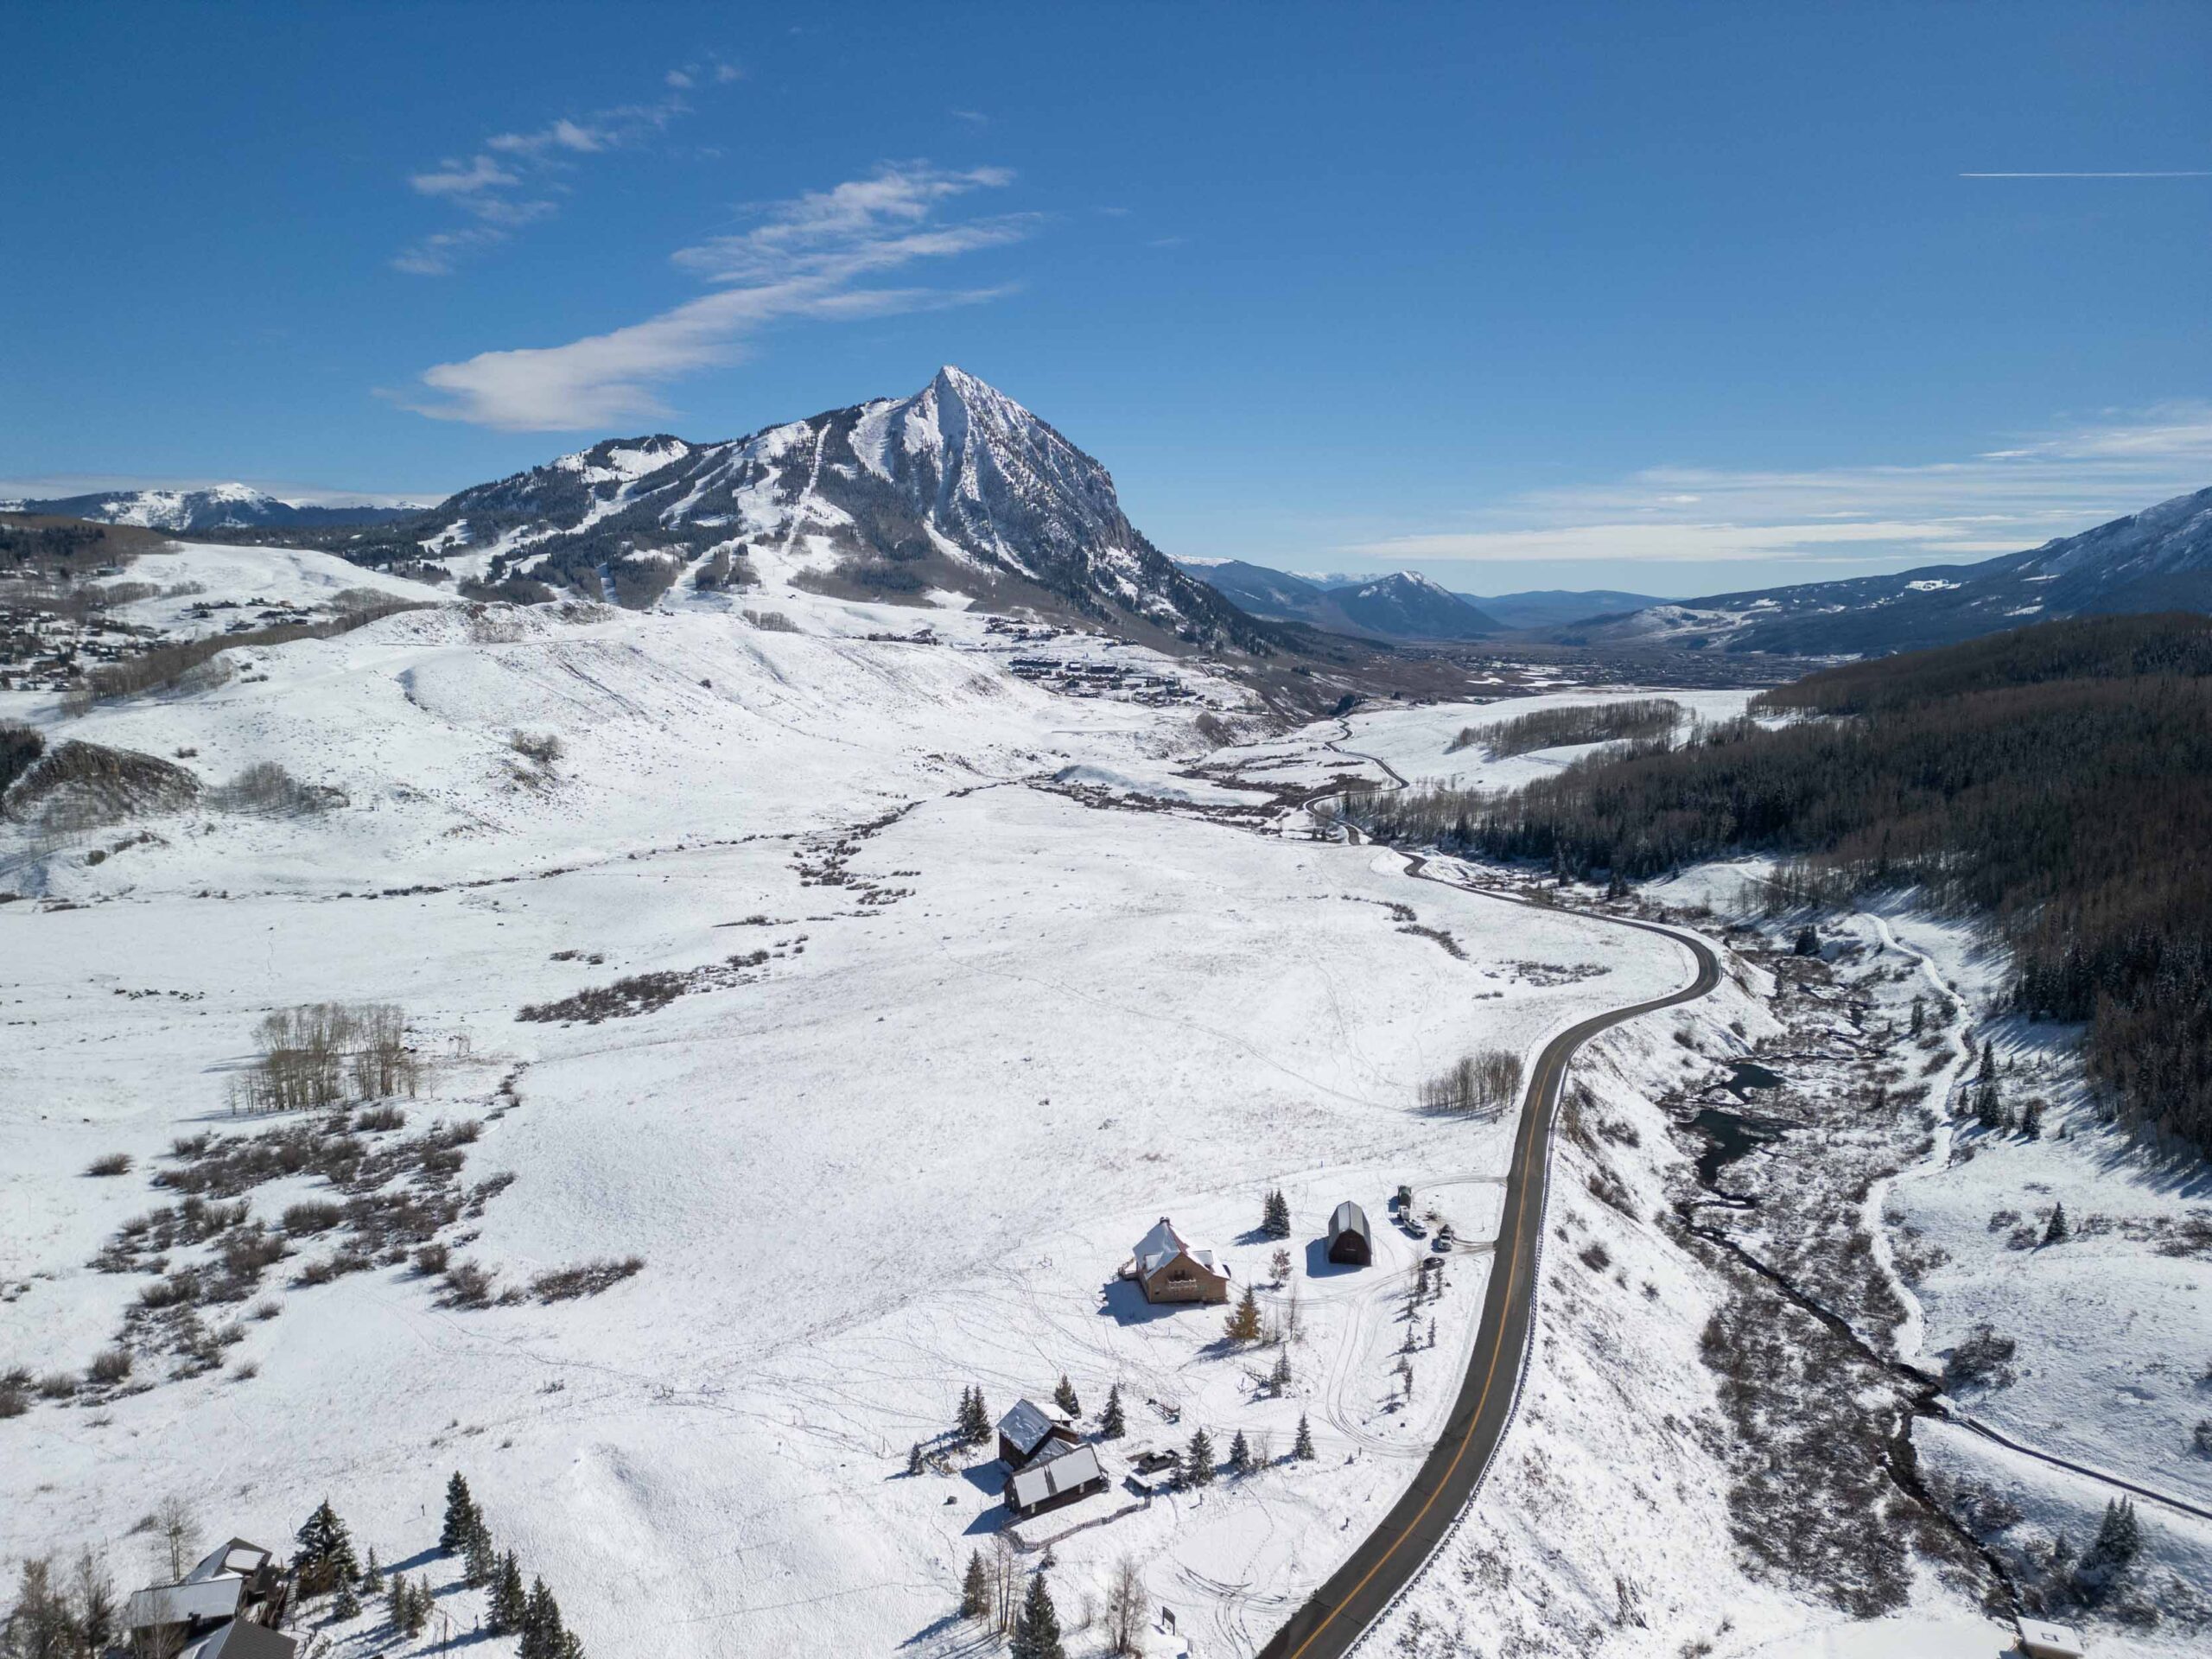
973, 1427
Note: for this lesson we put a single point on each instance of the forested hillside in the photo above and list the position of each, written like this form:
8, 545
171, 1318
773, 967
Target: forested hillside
2057, 779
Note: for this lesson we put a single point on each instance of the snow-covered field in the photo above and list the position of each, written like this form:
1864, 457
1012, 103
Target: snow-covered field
969, 983
993, 1037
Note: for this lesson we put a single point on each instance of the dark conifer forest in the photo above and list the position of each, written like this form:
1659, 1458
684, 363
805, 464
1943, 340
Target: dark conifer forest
2057, 780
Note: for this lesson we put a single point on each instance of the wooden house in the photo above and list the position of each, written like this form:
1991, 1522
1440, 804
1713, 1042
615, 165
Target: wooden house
1169, 1268
1028, 1432
227, 1607
1062, 1475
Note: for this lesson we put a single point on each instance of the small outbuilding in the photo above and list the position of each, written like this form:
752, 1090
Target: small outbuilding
1061, 1476
1169, 1268
1348, 1240
2039, 1640
1028, 1432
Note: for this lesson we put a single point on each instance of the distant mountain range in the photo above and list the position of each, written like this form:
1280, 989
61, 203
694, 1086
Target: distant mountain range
221, 506
1401, 605
2159, 559
957, 495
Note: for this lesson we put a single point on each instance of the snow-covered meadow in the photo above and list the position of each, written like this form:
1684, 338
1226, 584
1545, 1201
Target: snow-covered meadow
985, 1035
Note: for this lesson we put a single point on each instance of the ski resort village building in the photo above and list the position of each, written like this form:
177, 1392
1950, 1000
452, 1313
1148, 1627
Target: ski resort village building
1168, 1267
1029, 1433
225, 1608
1348, 1237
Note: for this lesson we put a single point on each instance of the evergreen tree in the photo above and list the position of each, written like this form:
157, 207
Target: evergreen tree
975, 1425
1240, 1454
461, 1514
1197, 1462
2056, 1232
975, 1587
419, 1603
397, 1603
2110, 1554
1919, 1015
914, 1464
1274, 1215
1037, 1631
1064, 1397
2031, 1120
1278, 1379
479, 1556
326, 1553
1111, 1426
345, 1602
1302, 1447
540, 1624
510, 1604
372, 1575
1808, 942
1244, 1324
1987, 1073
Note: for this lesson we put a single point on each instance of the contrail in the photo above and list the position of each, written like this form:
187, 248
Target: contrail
2203, 174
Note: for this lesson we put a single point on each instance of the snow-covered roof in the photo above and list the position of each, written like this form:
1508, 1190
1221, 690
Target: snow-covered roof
1075, 1468
238, 1557
1163, 1243
173, 1604
2047, 1640
1024, 1424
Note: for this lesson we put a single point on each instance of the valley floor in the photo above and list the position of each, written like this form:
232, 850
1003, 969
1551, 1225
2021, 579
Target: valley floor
888, 998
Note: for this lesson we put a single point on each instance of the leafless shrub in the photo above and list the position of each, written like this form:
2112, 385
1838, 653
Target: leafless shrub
542, 748
113, 1163
431, 1260
14, 1400
110, 1368
1982, 1359
313, 1217
57, 1385
771, 621
375, 1119
585, 1279
1487, 1082
467, 1286
267, 788
1596, 1256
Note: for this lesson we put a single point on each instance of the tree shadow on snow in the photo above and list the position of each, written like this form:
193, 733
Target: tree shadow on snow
983, 1641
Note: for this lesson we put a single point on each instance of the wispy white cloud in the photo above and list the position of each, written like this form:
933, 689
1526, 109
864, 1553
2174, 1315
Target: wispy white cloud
463, 179
2051, 484
810, 257
512, 180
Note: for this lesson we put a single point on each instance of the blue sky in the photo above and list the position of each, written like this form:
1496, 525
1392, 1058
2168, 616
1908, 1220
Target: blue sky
1670, 298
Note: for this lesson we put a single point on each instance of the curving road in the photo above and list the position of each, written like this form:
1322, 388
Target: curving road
1337, 1615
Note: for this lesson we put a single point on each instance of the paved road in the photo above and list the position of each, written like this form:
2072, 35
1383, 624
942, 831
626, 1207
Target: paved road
1332, 1621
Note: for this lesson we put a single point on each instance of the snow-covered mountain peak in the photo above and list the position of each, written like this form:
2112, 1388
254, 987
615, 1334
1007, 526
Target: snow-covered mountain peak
957, 489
